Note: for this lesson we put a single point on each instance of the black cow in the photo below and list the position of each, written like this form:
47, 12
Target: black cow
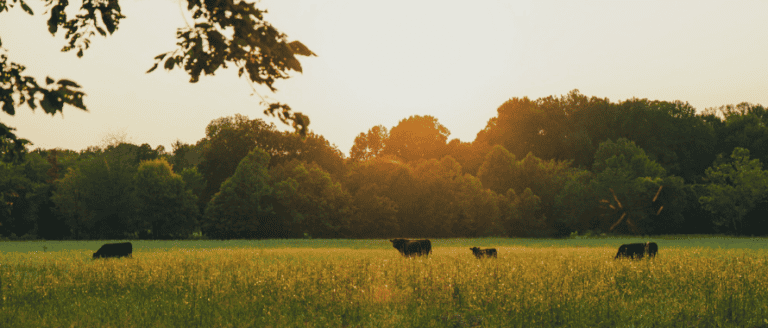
412, 247
480, 253
114, 250
631, 250
652, 249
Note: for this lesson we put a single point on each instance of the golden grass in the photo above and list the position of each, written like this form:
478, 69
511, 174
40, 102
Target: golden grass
287, 287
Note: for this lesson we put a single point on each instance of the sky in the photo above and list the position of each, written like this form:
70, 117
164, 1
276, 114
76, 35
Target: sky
382, 61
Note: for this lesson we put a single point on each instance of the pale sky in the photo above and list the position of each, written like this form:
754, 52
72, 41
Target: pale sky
382, 61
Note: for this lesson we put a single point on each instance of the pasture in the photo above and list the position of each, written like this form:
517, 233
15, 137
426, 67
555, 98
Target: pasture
693, 282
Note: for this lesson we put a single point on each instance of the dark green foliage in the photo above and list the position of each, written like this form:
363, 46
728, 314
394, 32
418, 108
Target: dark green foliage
408, 182
314, 204
165, 207
312, 149
470, 155
572, 126
574, 207
520, 181
742, 125
229, 139
735, 188
480, 210
21, 195
193, 180
96, 197
242, 209
627, 181
185, 156
374, 213
498, 170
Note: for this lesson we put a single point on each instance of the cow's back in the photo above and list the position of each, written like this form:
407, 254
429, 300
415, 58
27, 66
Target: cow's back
114, 250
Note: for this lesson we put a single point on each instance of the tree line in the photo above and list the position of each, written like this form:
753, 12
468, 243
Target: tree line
550, 167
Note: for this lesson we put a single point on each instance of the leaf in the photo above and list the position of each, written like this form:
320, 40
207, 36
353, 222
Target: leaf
153, 68
299, 48
25, 7
169, 63
293, 63
106, 17
160, 56
8, 108
47, 105
48, 80
68, 83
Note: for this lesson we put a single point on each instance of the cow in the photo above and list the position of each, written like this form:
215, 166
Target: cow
480, 253
412, 247
631, 250
652, 249
114, 250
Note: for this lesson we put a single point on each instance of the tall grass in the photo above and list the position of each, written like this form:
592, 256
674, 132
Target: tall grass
368, 284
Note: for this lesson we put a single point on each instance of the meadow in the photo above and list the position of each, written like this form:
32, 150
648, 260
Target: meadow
695, 281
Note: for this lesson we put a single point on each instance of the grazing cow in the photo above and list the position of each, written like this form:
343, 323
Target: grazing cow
114, 250
631, 250
412, 247
652, 249
480, 253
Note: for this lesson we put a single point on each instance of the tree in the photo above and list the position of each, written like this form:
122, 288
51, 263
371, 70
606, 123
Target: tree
373, 214
165, 207
523, 126
50, 223
417, 137
222, 33
21, 196
670, 133
734, 189
498, 170
193, 180
185, 156
96, 196
369, 145
574, 207
521, 217
313, 148
374, 201
480, 213
744, 126
638, 195
436, 190
241, 209
317, 206
228, 140
470, 155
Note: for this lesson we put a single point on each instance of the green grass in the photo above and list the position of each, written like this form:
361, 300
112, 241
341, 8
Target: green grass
695, 281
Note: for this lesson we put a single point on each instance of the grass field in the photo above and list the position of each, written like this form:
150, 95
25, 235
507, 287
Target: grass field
693, 282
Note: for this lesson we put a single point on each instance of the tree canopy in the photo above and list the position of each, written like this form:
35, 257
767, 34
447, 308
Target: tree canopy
222, 33
642, 167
